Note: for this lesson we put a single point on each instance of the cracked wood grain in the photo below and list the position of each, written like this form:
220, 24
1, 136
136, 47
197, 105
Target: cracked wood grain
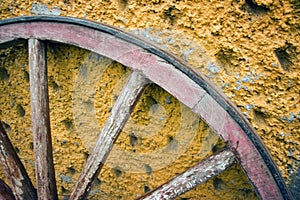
44, 168
194, 176
14, 170
111, 130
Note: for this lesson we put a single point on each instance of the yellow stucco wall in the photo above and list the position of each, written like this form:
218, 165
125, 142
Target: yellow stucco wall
249, 49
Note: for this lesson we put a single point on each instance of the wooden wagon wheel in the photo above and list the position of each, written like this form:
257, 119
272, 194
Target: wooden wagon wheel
148, 64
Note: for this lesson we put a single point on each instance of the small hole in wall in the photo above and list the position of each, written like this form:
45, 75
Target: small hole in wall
86, 155
133, 139
68, 123
173, 143
146, 189
63, 189
148, 169
171, 14
71, 170
219, 184
3, 74
285, 55
31, 145
21, 110
118, 171
26, 75
255, 8
226, 55
259, 117
53, 84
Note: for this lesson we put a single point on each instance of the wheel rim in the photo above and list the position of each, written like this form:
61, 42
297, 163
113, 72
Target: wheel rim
149, 64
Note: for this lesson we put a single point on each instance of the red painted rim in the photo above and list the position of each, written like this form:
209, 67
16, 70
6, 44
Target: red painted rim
169, 72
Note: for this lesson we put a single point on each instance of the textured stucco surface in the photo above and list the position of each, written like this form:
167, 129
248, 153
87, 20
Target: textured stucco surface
250, 49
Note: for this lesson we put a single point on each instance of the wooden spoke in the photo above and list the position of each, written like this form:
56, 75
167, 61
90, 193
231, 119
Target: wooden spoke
115, 123
194, 176
44, 168
14, 170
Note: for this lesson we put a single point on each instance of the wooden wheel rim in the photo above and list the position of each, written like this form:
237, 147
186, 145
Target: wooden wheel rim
170, 73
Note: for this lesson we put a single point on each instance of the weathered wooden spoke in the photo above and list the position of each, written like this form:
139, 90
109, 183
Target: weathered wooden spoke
193, 177
14, 169
115, 123
44, 168
146, 63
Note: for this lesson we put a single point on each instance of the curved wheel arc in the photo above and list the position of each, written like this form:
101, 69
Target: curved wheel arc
190, 87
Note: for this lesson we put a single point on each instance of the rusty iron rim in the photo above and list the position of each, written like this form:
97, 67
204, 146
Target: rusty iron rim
149, 64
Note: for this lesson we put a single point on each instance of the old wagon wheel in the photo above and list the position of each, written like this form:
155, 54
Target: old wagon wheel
148, 65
